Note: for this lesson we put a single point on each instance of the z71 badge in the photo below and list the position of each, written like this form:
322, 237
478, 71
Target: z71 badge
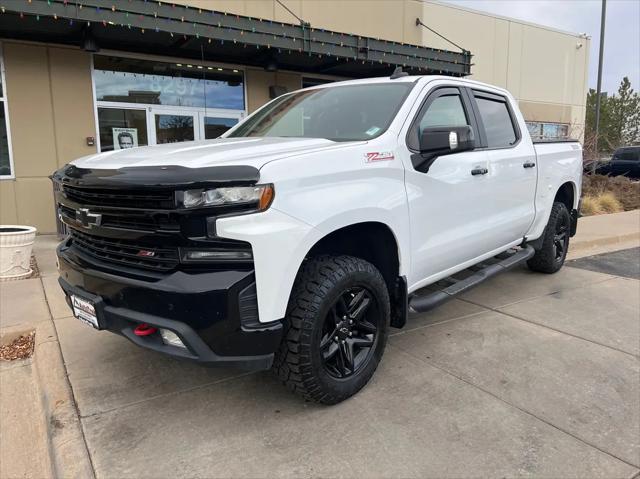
378, 156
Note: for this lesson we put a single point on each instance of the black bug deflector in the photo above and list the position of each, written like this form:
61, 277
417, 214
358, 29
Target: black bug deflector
149, 177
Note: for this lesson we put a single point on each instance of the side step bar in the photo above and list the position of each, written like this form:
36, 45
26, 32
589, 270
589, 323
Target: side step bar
424, 303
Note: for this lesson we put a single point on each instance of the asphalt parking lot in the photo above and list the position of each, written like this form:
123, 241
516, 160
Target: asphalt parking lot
526, 375
625, 263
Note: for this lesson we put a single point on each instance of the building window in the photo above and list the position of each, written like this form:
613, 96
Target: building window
130, 80
214, 127
144, 102
548, 131
6, 162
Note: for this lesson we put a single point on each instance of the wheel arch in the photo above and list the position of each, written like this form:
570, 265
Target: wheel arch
376, 243
566, 194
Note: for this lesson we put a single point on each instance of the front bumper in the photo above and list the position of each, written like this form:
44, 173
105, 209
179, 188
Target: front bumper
213, 312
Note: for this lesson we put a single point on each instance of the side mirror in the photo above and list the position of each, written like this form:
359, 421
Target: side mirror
444, 140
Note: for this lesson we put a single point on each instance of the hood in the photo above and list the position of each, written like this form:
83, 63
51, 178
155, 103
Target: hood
254, 152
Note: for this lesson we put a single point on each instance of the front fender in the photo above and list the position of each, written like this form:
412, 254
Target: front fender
279, 243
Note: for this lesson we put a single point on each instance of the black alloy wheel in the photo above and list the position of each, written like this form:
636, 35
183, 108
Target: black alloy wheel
349, 332
561, 238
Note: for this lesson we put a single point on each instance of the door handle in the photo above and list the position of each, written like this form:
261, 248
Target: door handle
529, 165
479, 171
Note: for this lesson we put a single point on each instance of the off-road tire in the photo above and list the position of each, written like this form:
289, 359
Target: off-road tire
299, 363
546, 259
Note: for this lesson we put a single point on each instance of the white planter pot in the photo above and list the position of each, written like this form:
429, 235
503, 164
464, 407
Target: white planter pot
16, 243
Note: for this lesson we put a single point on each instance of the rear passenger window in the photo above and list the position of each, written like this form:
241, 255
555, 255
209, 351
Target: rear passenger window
497, 123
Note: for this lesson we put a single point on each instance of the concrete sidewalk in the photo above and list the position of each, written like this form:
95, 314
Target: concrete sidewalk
602, 233
40, 433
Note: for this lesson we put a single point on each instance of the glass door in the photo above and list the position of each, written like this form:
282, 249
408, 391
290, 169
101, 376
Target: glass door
174, 126
214, 123
122, 128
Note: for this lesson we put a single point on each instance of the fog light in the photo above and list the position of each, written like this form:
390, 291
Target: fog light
171, 339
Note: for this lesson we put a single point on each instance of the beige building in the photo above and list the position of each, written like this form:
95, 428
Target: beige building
115, 74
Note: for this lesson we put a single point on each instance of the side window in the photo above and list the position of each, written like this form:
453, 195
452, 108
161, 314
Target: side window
443, 108
497, 121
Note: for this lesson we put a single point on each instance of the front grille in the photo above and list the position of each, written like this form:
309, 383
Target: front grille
120, 198
125, 252
127, 221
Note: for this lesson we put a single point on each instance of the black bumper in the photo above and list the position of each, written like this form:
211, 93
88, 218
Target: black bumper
213, 312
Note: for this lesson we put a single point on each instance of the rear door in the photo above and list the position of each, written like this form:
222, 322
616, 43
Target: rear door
512, 166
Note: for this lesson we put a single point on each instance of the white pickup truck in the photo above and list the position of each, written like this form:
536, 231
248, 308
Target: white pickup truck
296, 240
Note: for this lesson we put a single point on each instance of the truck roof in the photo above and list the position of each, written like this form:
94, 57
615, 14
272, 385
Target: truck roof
408, 79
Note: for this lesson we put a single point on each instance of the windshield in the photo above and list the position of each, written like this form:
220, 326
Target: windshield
339, 113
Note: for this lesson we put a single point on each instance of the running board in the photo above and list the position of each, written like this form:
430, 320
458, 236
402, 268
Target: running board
424, 303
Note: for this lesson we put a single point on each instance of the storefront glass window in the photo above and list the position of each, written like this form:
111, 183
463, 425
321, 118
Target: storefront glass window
5, 163
174, 128
122, 128
214, 127
131, 80
6, 169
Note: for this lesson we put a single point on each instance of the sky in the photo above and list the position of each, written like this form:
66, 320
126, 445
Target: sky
622, 30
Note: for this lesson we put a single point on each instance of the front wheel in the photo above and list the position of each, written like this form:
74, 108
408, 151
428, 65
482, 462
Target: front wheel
335, 330
555, 244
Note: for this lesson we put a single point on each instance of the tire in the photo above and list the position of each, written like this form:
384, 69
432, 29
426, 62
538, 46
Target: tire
332, 297
555, 244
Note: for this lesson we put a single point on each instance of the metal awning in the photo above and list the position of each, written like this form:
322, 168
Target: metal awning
163, 28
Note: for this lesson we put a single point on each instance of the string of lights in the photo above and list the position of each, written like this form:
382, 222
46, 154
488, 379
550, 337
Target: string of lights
187, 23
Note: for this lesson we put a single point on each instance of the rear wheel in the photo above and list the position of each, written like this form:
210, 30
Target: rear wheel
555, 245
335, 329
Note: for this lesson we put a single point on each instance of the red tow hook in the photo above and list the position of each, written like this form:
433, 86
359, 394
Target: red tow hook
144, 330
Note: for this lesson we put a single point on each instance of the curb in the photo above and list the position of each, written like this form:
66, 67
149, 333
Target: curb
576, 246
67, 448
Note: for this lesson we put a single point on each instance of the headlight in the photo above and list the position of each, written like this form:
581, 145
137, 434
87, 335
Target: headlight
259, 197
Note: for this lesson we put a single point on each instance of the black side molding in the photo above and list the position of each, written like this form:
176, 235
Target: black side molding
424, 303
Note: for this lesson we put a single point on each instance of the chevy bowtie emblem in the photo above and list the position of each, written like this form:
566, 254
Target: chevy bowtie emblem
88, 219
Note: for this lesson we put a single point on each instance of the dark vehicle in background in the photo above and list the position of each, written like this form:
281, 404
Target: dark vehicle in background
624, 162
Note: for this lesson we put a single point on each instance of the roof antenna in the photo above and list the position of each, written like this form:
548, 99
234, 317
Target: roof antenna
398, 73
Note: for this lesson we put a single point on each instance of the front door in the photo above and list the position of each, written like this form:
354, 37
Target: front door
173, 126
450, 202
